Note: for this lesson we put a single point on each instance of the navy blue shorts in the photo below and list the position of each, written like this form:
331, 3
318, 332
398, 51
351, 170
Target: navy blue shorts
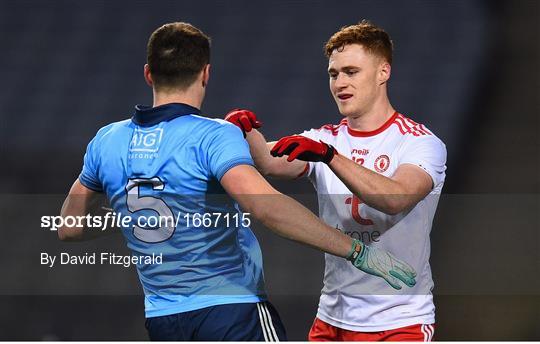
231, 322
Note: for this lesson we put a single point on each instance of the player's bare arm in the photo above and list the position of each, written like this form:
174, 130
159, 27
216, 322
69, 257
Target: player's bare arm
409, 185
80, 202
402, 191
267, 165
281, 213
291, 220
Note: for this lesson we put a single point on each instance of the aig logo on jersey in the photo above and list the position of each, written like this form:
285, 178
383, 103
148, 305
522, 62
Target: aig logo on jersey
145, 142
382, 163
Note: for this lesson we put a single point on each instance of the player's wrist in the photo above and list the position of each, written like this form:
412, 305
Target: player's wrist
250, 132
331, 152
356, 251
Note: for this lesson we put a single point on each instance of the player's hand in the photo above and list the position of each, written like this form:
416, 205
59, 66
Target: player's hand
380, 263
303, 148
243, 119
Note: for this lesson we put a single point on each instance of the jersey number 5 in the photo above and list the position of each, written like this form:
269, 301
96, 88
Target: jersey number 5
136, 202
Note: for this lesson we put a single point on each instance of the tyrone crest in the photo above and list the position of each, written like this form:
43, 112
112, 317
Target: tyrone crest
382, 163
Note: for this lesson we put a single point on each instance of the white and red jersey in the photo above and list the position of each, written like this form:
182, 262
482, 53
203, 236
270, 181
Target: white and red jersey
350, 298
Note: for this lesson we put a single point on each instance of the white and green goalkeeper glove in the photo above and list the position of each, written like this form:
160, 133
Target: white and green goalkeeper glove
380, 263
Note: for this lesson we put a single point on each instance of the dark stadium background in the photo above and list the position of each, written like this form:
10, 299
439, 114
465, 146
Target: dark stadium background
468, 69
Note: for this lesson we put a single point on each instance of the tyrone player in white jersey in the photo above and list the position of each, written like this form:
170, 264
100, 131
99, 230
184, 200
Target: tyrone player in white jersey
378, 176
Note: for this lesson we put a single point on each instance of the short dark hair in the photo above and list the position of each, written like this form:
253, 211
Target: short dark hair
374, 39
176, 54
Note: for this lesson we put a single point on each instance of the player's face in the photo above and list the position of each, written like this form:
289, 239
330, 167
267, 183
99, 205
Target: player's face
354, 79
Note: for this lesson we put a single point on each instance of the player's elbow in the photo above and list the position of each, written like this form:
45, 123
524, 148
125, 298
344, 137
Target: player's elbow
272, 168
69, 234
396, 204
63, 235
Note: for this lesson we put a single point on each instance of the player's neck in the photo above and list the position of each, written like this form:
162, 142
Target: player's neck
188, 97
371, 119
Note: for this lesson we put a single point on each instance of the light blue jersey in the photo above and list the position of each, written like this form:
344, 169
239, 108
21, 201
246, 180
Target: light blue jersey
166, 163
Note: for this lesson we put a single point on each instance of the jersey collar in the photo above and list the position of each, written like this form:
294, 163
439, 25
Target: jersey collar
147, 116
359, 133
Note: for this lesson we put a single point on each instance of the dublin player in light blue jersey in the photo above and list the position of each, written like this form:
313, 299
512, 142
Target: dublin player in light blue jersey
169, 162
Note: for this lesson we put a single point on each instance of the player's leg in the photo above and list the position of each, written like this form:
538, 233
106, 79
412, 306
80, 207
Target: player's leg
166, 327
239, 322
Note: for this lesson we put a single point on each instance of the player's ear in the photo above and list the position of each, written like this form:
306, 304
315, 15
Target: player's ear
148, 76
206, 75
384, 72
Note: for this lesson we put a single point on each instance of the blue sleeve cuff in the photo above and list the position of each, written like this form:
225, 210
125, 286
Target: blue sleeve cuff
232, 163
85, 181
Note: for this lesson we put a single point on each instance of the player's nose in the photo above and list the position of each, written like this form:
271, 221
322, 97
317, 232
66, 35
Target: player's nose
341, 81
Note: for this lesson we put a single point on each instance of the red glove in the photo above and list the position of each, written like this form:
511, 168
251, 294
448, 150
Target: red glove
243, 119
302, 148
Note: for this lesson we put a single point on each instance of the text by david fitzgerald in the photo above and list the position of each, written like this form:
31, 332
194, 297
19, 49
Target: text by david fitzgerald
103, 258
